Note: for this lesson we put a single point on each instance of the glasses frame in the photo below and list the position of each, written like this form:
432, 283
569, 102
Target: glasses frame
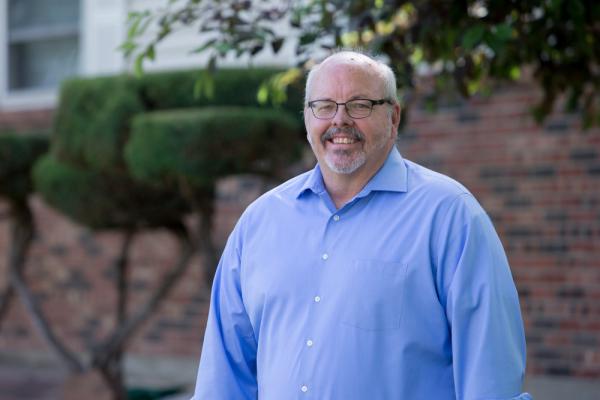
337, 106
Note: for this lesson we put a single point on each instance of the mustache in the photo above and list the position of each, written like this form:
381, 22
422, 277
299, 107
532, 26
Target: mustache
352, 132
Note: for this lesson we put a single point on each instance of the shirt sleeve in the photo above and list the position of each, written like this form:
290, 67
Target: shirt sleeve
228, 362
482, 307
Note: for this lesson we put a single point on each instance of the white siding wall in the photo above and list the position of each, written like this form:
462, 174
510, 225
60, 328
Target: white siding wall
174, 51
102, 29
103, 26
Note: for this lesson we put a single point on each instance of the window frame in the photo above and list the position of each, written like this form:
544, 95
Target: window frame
25, 99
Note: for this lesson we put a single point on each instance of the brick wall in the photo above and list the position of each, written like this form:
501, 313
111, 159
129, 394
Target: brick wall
540, 185
25, 120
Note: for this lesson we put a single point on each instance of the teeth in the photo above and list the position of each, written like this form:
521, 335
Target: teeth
342, 140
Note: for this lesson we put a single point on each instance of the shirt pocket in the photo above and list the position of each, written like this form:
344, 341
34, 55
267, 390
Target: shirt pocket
374, 295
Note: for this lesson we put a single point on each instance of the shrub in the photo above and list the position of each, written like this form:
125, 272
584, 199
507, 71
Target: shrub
18, 153
232, 87
92, 121
201, 145
102, 200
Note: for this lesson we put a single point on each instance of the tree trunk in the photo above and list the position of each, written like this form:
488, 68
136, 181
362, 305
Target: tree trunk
5, 301
106, 351
22, 235
112, 371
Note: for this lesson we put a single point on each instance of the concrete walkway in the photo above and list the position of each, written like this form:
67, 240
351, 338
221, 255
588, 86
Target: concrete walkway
44, 381
18, 382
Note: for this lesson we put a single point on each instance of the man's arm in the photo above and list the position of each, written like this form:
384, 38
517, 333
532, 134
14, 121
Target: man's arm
228, 361
482, 307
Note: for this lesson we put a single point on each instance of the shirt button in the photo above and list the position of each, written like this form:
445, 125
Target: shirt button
309, 343
317, 299
304, 388
336, 217
325, 256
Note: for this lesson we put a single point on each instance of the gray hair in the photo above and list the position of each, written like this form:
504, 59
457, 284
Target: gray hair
383, 70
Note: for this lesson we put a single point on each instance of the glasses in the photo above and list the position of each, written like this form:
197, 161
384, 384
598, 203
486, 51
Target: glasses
357, 108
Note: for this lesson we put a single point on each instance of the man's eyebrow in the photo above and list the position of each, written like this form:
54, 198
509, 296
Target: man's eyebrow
356, 96
359, 96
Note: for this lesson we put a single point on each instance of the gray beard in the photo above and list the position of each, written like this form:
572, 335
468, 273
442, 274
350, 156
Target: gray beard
347, 166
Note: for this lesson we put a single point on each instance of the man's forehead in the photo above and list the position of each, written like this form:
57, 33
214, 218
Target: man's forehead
349, 61
360, 71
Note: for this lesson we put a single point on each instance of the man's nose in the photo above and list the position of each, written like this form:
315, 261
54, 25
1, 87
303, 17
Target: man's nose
341, 117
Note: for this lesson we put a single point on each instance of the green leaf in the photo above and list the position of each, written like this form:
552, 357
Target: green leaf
205, 46
134, 25
473, 37
262, 96
503, 32
127, 47
222, 48
276, 45
256, 49
150, 53
515, 72
138, 66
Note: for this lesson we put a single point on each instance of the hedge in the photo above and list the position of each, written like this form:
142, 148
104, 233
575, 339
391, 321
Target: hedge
92, 121
93, 117
201, 145
232, 87
18, 153
105, 201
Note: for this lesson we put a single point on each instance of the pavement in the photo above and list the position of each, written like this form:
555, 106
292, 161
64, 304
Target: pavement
26, 383
36, 377
19, 381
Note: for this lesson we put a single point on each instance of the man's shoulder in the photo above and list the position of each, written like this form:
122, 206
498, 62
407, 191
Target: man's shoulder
282, 193
438, 190
433, 183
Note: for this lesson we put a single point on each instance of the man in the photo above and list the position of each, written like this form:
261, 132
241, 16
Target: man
369, 277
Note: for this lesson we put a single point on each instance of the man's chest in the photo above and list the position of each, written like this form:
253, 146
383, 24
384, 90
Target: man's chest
350, 269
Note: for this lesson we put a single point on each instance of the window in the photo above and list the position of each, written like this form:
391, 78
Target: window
42, 45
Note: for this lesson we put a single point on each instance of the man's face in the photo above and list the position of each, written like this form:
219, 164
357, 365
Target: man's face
345, 145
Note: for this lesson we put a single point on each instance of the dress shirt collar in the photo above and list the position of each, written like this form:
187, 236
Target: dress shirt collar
392, 177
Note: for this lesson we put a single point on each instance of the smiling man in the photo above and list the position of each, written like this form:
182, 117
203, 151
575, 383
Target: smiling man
369, 277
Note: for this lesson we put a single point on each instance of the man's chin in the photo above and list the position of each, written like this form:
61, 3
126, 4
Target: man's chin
345, 167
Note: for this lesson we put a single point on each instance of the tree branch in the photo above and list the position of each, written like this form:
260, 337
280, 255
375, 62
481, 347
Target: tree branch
117, 340
22, 235
5, 301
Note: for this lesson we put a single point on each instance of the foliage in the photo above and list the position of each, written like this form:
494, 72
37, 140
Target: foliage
462, 43
18, 153
93, 118
92, 121
202, 145
185, 89
105, 200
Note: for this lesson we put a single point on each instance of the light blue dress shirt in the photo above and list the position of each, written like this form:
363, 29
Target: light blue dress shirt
404, 293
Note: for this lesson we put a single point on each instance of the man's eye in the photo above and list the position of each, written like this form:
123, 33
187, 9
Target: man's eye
360, 105
324, 107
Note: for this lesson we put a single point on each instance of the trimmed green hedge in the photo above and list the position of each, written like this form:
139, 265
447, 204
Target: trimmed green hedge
232, 87
122, 147
93, 117
105, 201
201, 145
92, 121
18, 153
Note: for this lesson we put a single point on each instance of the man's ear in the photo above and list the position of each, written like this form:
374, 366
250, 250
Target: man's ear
396, 114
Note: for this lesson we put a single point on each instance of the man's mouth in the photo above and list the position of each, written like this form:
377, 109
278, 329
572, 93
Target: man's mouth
342, 136
342, 140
